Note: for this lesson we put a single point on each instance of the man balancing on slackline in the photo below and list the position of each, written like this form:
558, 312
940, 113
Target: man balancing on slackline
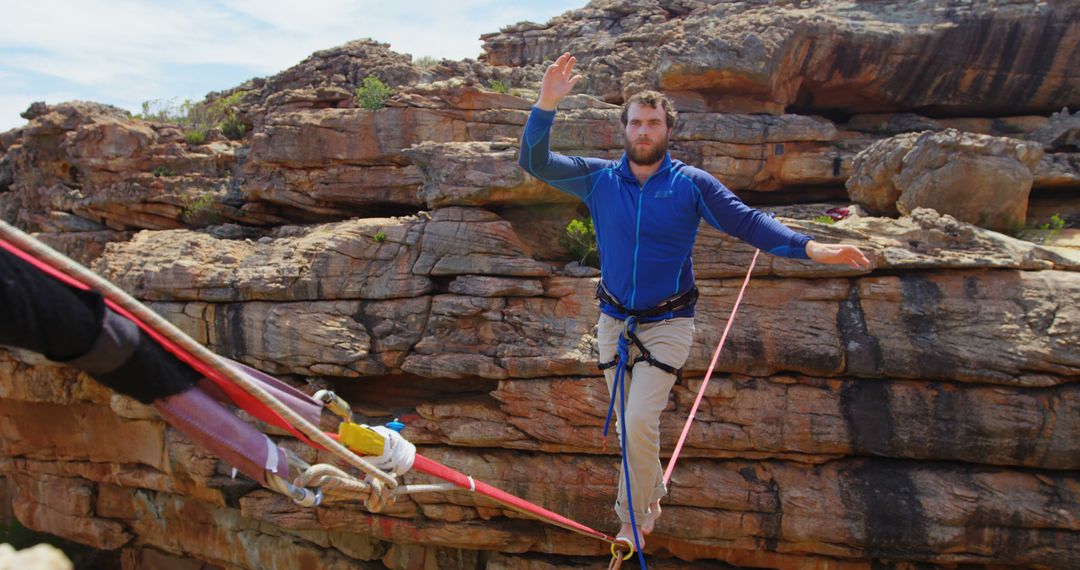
646, 208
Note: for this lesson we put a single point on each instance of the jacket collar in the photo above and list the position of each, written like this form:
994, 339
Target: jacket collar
623, 168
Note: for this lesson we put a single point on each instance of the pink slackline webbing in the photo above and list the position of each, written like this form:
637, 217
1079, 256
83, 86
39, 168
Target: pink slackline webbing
708, 374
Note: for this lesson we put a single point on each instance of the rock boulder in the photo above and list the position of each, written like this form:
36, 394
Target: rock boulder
978, 179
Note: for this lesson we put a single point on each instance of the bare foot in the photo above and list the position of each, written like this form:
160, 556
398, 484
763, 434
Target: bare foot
649, 523
627, 533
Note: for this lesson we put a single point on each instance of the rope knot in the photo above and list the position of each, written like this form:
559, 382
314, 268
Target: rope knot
381, 496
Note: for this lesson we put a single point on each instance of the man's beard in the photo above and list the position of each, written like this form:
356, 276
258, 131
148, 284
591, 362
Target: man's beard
646, 156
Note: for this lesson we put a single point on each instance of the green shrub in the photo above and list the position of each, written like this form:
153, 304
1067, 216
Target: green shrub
1042, 233
199, 211
222, 113
160, 171
233, 128
373, 93
199, 117
499, 86
163, 111
824, 219
580, 239
425, 61
195, 136
379, 237
1055, 225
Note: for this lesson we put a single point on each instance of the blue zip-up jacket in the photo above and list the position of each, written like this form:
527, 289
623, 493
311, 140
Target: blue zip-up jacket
646, 233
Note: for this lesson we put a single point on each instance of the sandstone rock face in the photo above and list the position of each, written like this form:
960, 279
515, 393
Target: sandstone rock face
84, 175
1062, 130
943, 162
346, 260
974, 178
1058, 170
761, 56
920, 413
904, 369
754, 416
348, 64
472, 174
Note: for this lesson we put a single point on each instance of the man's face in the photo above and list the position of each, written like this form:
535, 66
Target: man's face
646, 134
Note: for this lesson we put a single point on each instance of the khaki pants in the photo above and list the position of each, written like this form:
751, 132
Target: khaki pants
647, 389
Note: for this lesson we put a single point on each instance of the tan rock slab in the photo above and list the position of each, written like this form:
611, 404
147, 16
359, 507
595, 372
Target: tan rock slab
346, 260
975, 178
768, 58
798, 418
79, 431
64, 507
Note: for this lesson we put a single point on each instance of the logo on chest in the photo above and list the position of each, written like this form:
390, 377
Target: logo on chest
663, 194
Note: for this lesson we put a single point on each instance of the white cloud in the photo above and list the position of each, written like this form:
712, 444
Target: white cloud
125, 50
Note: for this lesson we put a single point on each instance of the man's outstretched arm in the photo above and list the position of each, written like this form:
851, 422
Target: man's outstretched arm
725, 211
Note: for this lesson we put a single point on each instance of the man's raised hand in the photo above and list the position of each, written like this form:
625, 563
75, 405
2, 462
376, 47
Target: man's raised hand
559, 79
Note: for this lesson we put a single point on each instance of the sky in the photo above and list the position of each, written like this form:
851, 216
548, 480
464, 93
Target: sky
125, 52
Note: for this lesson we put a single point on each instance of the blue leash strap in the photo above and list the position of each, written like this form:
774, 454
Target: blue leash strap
622, 353
618, 390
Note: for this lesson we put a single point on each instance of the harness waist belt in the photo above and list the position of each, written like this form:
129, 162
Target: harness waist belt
686, 300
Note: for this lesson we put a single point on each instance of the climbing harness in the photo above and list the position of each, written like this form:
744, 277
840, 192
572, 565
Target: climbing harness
630, 318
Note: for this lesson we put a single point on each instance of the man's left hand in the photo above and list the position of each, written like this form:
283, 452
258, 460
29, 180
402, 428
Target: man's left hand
837, 254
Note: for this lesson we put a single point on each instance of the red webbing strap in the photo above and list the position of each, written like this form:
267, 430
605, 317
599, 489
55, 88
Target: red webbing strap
436, 469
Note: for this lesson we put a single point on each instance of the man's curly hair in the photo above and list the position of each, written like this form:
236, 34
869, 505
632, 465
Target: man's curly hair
652, 99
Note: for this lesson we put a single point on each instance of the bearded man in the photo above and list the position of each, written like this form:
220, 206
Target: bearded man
646, 209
